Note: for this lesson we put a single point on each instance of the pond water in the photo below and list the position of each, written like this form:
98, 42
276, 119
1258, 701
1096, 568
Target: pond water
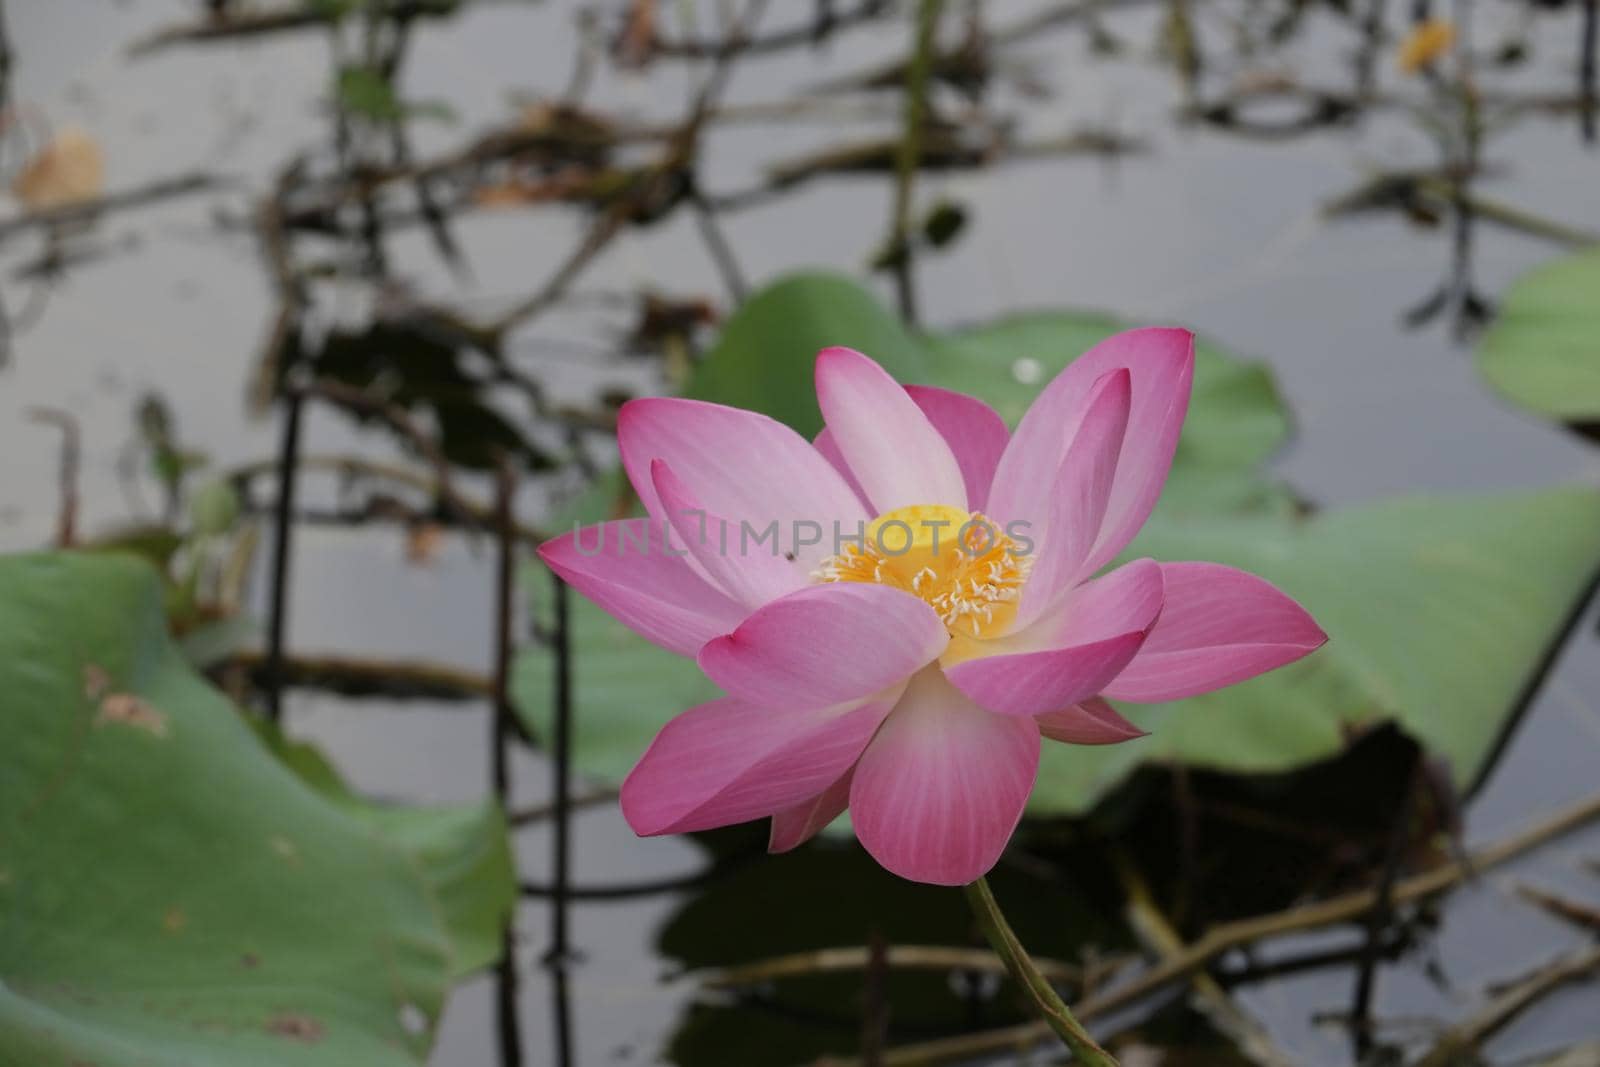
1220, 232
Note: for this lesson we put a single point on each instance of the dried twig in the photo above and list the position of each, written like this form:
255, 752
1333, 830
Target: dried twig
943, 148
875, 1001
539, 812
1153, 929
505, 728
1433, 192
1381, 916
1587, 64
355, 676
67, 481
350, 467
777, 41
250, 24
1564, 908
141, 196
1584, 1054
959, 57
287, 468
855, 958
1349, 907
1456, 1044
398, 418
908, 155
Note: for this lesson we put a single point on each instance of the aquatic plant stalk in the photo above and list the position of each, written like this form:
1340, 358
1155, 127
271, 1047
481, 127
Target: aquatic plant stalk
1045, 999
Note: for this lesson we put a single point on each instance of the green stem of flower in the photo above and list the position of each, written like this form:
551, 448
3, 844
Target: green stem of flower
1045, 999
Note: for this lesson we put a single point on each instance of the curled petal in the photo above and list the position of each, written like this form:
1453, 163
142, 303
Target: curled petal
749, 573
825, 644
728, 762
1218, 626
897, 456
1082, 492
1093, 722
1160, 363
739, 465
627, 568
941, 787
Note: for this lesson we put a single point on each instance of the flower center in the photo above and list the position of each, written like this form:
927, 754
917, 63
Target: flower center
960, 563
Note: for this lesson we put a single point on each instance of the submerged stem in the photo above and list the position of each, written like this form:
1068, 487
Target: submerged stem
1045, 999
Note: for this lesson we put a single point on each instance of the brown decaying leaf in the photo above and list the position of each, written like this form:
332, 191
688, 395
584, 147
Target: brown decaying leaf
423, 542
68, 170
637, 42
296, 1027
125, 709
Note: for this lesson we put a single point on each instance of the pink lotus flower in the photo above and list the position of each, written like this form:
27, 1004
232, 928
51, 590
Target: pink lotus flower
928, 608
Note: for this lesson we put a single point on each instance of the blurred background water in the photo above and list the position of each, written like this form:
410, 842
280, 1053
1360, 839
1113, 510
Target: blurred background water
1208, 228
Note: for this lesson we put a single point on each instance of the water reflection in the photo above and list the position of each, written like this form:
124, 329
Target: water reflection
779, 947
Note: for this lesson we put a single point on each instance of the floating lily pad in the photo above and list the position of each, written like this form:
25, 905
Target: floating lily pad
1236, 417
1543, 351
169, 892
763, 360
462, 852
1438, 611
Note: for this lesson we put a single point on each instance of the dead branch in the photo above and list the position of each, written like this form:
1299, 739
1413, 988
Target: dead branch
1457, 1043
399, 419
776, 41
1347, 908
140, 196
1157, 934
352, 676
247, 25
855, 958
539, 812
67, 480
353, 467
1564, 908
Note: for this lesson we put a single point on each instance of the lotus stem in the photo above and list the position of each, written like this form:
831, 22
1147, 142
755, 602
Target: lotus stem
1045, 999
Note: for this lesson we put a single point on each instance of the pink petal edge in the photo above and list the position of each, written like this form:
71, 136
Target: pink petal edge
653, 593
728, 762
1218, 626
1082, 491
825, 644
1091, 722
739, 465
1160, 361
